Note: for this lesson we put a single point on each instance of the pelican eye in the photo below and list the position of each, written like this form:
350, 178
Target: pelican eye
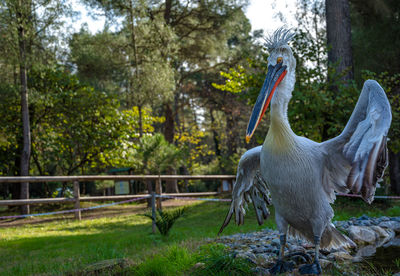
279, 60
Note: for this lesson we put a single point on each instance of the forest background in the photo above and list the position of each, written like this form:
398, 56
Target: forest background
167, 86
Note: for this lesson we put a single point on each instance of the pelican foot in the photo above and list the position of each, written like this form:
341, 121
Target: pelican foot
313, 269
281, 267
299, 257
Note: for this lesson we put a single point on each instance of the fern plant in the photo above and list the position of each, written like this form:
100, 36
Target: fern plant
165, 219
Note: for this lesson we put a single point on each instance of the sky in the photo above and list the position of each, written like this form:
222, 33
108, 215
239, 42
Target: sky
262, 15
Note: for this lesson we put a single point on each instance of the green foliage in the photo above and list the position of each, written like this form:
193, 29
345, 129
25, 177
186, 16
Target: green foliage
127, 236
72, 124
178, 260
219, 261
165, 219
128, 149
173, 261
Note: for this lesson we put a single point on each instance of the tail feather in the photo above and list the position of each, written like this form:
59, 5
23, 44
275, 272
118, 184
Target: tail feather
331, 238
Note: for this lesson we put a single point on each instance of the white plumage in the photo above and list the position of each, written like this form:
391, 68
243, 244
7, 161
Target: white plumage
301, 175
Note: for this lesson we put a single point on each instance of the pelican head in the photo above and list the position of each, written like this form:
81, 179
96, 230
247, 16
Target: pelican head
280, 77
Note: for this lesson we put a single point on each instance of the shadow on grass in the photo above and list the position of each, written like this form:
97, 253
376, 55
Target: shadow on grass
56, 248
68, 246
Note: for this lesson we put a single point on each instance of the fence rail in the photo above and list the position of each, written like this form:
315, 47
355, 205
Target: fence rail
84, 178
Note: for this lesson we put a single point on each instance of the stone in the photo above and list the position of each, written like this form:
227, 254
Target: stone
394, 225
296, 248
260, 250
198, 265
260, 271
325, 264
365, 223
266, 259
393, 242
275, 242
384, 218
339, 256
366, 251
248, 256
363, 217
105, 266
362, 234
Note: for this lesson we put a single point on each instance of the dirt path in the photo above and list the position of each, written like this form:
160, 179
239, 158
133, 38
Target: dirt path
118, 210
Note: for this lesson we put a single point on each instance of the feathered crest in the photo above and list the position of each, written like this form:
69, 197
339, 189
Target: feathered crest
279, 38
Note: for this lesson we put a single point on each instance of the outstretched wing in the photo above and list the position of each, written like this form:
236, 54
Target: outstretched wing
357, 158
249, 187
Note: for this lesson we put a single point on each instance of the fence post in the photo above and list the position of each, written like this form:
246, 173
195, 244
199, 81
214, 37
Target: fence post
77, 204
159, 191
153, 211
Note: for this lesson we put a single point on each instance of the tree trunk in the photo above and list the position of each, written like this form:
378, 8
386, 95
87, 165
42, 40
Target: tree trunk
150, 189
338, 31
171, 186
169, 124
26, 133
140, 121
394, 171
230, 134
215, 134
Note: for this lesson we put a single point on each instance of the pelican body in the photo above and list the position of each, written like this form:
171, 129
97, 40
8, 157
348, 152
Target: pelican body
301, 175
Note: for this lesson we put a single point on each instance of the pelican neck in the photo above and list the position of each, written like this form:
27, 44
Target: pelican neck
280, 136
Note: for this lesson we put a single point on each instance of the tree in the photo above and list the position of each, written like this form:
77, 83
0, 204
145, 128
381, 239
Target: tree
338, 30
198, 31
26, 28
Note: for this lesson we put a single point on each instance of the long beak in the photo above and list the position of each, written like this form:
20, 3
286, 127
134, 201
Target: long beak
274, 76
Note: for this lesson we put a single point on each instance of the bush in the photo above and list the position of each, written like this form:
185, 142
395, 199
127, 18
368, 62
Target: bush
166, 219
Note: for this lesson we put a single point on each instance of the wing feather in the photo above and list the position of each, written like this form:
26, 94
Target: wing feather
248, 188
357, 158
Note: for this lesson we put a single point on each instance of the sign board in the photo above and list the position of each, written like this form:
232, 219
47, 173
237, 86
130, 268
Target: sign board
226, 186
121, 187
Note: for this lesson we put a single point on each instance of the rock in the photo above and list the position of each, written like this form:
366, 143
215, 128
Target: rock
266, 259
365, 223
105, 266
384, 218
325, 264
393, 242
296, 248
260, 271
363, 217
339, 256
198, 265
248, 256
366, 251
362, 234
384, 234
260, 250
394, 225
275, 242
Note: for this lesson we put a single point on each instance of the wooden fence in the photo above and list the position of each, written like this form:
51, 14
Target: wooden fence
83, 178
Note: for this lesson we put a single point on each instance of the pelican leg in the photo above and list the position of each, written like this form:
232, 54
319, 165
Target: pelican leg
315, 267
281, 266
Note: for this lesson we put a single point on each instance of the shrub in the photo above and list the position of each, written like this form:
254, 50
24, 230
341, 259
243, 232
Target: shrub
165, 219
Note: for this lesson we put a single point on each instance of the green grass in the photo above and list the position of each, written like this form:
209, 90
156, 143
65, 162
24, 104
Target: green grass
214, 259
67, 246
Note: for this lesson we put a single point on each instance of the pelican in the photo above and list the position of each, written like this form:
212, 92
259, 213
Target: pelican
301, 175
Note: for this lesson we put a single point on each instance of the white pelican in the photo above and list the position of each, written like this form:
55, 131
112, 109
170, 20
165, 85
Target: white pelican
301, 175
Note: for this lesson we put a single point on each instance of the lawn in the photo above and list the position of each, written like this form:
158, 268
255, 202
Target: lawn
68, 246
